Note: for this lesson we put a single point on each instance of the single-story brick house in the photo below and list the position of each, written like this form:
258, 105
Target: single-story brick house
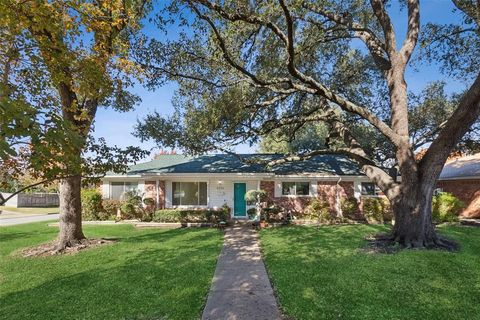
461, 176
210, 181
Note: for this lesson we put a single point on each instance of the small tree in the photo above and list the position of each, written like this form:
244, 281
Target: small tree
73, 57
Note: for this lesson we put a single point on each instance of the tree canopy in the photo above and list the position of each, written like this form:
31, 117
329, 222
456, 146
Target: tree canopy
60, 61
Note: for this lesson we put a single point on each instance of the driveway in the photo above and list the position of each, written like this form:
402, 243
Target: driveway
8, 218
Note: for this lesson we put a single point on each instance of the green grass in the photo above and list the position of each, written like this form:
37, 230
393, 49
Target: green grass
322, 274
147, 274
49, 210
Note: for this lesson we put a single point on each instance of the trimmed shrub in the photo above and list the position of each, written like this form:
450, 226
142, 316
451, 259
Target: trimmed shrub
166, 215
148, 201
103, 216
446, 207
193, 215
387, 210
271, 214
350, 208
132, 196
149, 209
224, 215
128, 210
110, 207
254, 196
91, 204
132, 205
318, 210
377, 210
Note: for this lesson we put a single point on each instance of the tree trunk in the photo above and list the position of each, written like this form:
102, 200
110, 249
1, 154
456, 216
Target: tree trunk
70, 213
413, 227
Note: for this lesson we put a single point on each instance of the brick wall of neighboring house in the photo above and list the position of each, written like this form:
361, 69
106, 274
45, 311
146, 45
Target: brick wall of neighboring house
466, 190
326, 190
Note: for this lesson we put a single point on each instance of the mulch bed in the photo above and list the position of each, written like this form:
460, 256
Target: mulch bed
49, 248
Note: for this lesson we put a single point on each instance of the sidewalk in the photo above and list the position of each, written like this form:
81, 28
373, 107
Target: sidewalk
241, 288
8, 218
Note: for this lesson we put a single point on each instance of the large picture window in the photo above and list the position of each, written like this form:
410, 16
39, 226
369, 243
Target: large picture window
295, 188
117, 189
189, 193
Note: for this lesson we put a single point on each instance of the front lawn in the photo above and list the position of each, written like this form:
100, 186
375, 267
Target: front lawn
147, 274
322, 274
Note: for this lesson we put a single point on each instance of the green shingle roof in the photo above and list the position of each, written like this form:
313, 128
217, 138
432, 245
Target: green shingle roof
228, 163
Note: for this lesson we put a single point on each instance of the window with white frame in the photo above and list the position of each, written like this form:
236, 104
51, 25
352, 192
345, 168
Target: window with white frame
369, 189
295, 188
189, 193
117, 189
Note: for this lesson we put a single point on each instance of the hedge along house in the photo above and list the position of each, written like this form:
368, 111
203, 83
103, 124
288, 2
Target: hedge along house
461, 177
212, 181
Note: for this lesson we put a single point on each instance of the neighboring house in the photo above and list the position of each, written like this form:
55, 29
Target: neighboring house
211, 181
461, 177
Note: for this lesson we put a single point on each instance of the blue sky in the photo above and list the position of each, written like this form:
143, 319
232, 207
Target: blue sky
117, 127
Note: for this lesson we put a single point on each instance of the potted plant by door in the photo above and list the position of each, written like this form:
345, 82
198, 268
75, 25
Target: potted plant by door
257, 197
263, 220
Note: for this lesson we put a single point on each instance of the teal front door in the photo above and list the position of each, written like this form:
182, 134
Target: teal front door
239, 204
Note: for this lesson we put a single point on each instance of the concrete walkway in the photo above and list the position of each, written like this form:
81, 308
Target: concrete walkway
241, 288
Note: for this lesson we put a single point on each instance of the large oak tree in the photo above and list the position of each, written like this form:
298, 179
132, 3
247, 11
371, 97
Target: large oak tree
246, 68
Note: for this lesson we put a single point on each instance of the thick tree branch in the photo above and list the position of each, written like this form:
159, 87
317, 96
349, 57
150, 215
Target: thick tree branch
386, 24
227, 56
311, 86
249, 18
374, 45
460, 121
384, 181
4, 200
322, 90
413, 30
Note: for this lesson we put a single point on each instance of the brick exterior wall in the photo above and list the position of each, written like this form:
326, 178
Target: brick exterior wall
326, 190
466, 190
288, 203
161, 194
151, 192
269, 187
